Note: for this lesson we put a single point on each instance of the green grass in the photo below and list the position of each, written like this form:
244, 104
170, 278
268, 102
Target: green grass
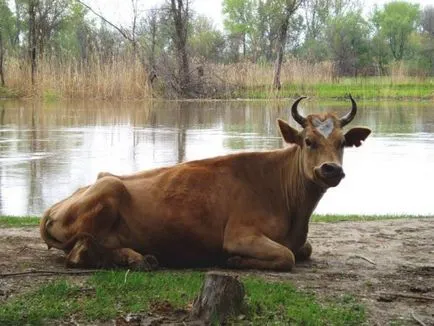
363, 88
282, 304
9, 93
106, 295
18, 221
27, 221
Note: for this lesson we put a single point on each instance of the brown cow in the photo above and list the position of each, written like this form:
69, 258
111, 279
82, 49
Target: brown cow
245, 210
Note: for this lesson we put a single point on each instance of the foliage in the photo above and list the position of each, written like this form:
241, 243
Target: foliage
206, 41
239, 21
396, 22
348, 39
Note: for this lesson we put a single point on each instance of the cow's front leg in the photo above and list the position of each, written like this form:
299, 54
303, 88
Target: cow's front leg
257, 252
88, 253
304, 252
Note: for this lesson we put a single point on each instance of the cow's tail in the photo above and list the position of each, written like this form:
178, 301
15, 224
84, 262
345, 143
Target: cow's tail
46, 236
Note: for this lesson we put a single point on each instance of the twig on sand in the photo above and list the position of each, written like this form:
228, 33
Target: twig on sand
420, 322
25, 247
362, 257
407, 295
47, 272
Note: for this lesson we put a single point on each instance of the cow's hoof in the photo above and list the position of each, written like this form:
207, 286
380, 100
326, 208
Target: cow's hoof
234, 261
148, 263
151, 261
304, 252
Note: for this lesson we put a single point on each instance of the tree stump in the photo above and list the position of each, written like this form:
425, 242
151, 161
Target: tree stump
221, 295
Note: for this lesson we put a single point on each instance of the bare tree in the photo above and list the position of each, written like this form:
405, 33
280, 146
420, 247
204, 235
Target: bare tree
2, 51
32, 38
49, 15
179, 10
427, 20
152, 28
290, 6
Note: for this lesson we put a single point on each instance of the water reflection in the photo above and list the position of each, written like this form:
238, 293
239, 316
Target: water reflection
47, 151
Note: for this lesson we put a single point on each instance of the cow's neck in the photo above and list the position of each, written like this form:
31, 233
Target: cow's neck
301, 195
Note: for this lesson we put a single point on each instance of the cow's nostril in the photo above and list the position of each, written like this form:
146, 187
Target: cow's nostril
331, 169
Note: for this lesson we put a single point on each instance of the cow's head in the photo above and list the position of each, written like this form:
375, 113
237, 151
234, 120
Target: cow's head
322, 143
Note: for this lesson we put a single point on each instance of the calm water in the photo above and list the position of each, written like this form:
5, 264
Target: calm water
47, 151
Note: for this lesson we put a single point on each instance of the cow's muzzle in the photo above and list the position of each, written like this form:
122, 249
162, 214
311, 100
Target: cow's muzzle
330, 174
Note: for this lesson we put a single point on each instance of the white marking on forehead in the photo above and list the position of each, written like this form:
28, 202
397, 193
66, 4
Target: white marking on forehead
325, 127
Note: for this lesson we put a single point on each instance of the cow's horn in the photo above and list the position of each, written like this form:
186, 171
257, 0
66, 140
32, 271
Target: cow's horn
347, 118
297, 116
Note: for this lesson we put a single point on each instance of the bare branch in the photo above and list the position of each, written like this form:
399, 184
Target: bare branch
418, 320
48, 272
119, 29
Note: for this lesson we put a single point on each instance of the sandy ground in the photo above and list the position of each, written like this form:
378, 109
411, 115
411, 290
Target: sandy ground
387, 265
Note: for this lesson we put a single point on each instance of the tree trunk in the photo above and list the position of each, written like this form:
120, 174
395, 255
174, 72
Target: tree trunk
244, 45
279, 52
290, 8
32, 39
221, 296
180, 17
2, 76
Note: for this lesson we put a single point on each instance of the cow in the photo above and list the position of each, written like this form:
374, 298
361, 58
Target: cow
246, 210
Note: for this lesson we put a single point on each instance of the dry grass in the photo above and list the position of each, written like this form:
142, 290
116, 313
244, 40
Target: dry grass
294, 71
119, 79
124, 78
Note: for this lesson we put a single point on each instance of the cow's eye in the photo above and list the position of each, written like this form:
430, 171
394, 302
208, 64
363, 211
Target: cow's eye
309, 143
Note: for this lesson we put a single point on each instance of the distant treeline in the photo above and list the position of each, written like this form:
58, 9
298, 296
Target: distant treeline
66, 48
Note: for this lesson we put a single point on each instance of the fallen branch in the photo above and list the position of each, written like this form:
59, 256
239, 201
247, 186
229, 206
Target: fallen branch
420, 322
406, 295
49, 272
30, 248
362, 257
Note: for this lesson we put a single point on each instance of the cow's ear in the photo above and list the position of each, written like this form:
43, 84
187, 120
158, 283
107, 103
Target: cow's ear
355, 136
289, 134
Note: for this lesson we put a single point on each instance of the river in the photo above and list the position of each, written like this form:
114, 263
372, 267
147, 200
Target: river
47, 150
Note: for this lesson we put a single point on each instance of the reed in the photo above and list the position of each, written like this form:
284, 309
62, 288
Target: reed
120, 78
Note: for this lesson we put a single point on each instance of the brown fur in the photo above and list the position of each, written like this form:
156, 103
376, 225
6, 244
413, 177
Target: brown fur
246, 210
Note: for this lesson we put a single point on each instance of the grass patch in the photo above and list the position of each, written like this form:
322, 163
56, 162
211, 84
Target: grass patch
18, 221
106, 295
50, 95
103, 296
363, 88
281, 303
27, 221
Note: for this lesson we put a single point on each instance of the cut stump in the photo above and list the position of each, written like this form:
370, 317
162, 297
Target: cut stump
221, 296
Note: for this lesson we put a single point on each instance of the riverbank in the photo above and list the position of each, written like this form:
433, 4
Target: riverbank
366, 89
372, 272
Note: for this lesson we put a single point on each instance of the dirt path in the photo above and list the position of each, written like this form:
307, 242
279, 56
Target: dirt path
388, 265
